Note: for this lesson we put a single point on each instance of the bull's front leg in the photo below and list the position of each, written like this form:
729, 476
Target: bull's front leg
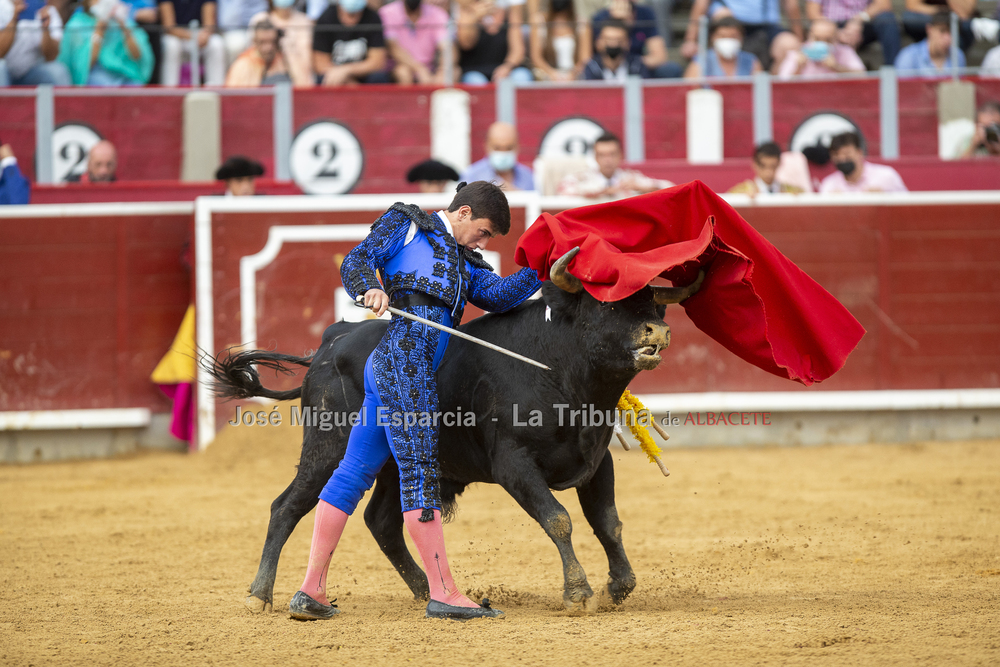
597, 499
525, 483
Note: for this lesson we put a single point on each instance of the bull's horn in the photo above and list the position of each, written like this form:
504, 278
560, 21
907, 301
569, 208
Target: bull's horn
667, 295
560, 275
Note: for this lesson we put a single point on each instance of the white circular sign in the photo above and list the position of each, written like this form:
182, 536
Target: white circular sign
571, 137
326, 159
71, 144
820, 128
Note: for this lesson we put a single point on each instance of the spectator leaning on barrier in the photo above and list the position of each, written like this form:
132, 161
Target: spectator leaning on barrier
349, 45
861, 22
821, 54
608, 180
766, 158
491, 46
613, 60
761, 19
14, 187
431, 176
102, 46
102, 165
644, 39
986, 141
175, 15
416, 33
295, 42
931, 57
500, 166
262, 64
560, 43
29, 44
239, 173
854, 173
726, 56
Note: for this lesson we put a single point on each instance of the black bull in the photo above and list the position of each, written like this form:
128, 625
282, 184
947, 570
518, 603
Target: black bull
595, 349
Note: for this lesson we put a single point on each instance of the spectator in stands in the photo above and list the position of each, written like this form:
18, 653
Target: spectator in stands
854, 173
991, 63
102, 165
240, 173
417, 35
234, 19
920, 13
560, 44
295, 40
260, 65
761, 19
614, 61
349, 45
30, 31
861, 22
176, 15
726, 56
644, 40
14, 187
102, 46
500, 165
608, 180
931, 57
491, 46
821, 54
431, 176
986, 141
766, 158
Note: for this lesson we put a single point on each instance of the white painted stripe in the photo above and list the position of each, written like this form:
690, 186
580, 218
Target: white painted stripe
73, 419
100, 209
824, 401
204, 316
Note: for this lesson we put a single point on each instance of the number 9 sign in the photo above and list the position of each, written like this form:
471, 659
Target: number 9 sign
326, 159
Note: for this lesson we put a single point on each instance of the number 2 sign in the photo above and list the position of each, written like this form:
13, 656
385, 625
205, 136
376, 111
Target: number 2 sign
71, 144
326, 158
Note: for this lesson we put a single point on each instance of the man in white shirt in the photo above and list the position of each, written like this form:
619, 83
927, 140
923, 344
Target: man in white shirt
609, 180
30, 32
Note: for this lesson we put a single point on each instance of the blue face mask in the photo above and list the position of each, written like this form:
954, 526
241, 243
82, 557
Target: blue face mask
282, 4
502, 161
816, 51
352, 6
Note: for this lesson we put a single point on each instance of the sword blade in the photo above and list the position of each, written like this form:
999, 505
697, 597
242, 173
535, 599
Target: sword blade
455, 332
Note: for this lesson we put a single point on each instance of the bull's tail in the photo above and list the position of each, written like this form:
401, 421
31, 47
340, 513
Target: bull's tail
235, 374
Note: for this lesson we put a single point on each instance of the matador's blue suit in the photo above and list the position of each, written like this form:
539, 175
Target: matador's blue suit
428, 274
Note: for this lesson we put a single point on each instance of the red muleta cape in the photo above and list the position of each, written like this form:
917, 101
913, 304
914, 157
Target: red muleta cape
754, 300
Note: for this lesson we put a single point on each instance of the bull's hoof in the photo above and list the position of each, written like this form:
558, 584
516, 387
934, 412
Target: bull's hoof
618, 590
256, 605
580, 600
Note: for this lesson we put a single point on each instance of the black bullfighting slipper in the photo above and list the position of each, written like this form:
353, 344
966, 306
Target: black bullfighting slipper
437, 609
304, 608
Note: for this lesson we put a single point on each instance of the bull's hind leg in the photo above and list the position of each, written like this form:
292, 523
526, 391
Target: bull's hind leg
288, 509
524, 482
597, 498
384, 518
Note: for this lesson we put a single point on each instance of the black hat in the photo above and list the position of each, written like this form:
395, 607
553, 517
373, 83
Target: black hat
239, 167
431, 170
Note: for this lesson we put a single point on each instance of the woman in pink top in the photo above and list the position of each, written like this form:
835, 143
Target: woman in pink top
821, 54
296, 43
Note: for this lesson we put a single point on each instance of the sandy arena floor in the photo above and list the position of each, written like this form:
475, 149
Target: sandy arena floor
884, 555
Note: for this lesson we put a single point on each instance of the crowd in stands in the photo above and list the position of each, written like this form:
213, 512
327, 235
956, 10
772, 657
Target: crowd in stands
315, 42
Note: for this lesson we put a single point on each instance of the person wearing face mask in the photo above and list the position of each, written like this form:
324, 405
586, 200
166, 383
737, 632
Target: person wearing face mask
416, 33
349, 45
560, 45
260, 65
726, 56
854, 173
613, 60
644, 39
102, 46
821, 54
296, 39
500, 165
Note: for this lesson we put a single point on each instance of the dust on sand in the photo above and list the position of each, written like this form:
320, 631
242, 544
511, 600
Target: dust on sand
857, 555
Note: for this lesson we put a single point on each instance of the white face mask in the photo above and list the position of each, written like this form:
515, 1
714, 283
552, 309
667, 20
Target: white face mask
102, 9
727, 47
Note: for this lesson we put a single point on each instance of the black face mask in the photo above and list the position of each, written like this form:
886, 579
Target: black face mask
846, 167
613, 52
560, 6
412, 5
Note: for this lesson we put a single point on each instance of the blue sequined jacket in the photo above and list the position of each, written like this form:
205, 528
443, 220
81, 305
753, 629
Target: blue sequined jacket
432, 263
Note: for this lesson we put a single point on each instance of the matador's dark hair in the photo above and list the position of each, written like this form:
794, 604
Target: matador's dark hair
486, 200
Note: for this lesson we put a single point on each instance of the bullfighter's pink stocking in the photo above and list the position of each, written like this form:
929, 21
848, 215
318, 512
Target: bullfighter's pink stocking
329, 526
428, 536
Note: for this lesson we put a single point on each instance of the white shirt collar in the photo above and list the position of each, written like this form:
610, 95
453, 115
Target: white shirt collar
446, 221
